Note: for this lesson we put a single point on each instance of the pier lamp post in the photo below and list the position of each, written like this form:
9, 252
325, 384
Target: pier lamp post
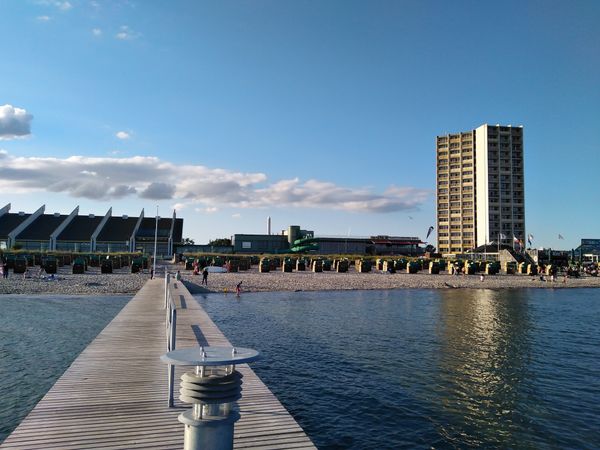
213, 387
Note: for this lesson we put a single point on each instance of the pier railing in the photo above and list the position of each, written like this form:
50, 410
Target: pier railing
171, 332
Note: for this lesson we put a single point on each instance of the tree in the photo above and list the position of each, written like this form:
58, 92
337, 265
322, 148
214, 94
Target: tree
187, 241
223, 242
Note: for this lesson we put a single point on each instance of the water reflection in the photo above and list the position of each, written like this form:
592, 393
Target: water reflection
428, 368
485, 346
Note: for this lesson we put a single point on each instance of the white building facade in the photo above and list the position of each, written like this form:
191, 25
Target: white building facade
480, 188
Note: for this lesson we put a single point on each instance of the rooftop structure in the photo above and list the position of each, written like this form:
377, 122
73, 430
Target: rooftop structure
86, 233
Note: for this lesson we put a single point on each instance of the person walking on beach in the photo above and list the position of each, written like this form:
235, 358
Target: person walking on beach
5, 269
238, 289
205, 277
151, 273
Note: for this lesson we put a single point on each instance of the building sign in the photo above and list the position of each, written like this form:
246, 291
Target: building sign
246, 244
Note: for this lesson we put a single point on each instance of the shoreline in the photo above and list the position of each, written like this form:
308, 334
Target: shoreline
122, 282
278, 281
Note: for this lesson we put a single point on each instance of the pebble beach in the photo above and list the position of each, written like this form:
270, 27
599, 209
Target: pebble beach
123, 282
90, 283
254, 281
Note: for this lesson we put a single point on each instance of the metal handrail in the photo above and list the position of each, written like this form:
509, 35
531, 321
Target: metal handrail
171, 332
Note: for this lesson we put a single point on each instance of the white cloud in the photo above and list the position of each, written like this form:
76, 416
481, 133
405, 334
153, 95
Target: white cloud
207, 189
97, 32
236, 216
14, 122
43, 18
127, 34
208, 210
65, 6
62, 5
179, 206
123, 135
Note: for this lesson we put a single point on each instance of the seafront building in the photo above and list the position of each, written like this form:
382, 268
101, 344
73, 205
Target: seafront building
297, 240
88, 233
480, 188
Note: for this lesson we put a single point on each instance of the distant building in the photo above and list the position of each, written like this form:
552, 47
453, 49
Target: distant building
373, 245
296, 240
589, 250
480, 188
260, 243
88, 233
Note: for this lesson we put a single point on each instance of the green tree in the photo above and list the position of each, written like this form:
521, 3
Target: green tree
223, 242
187, 241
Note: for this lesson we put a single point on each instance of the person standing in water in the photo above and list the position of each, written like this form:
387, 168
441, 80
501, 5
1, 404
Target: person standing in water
238, 289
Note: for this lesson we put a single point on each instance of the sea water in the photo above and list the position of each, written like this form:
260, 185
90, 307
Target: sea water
39, 338
427, 368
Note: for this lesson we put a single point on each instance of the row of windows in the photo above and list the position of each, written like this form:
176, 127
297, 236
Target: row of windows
467, 243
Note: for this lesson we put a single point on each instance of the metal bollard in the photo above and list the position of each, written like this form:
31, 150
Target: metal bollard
213, 387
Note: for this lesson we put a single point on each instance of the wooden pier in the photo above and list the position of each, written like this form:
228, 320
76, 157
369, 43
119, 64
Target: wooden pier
114, 395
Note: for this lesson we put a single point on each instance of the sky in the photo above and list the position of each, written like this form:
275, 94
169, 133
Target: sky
321, 114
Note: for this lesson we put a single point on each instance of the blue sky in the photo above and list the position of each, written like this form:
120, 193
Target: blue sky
321, 114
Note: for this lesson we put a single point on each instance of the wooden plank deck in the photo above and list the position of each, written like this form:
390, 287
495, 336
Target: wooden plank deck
114, 395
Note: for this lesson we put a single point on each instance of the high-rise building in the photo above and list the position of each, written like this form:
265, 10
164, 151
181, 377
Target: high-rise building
480, 188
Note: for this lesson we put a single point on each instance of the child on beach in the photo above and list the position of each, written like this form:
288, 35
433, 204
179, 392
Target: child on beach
238, 289
205, 276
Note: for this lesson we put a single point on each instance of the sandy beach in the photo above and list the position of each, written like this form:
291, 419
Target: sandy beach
123, 282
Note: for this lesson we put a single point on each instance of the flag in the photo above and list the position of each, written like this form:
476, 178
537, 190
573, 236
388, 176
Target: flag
561, 237
516, 240
529, 238
502, 236
429, 232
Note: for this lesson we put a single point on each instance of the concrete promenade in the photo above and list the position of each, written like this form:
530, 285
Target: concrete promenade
114, 395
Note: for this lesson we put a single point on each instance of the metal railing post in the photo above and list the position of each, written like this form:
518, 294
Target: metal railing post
171, 335
171, 347
167, 281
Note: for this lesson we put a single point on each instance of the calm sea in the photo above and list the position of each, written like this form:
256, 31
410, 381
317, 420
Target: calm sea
39, 338
513, 369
